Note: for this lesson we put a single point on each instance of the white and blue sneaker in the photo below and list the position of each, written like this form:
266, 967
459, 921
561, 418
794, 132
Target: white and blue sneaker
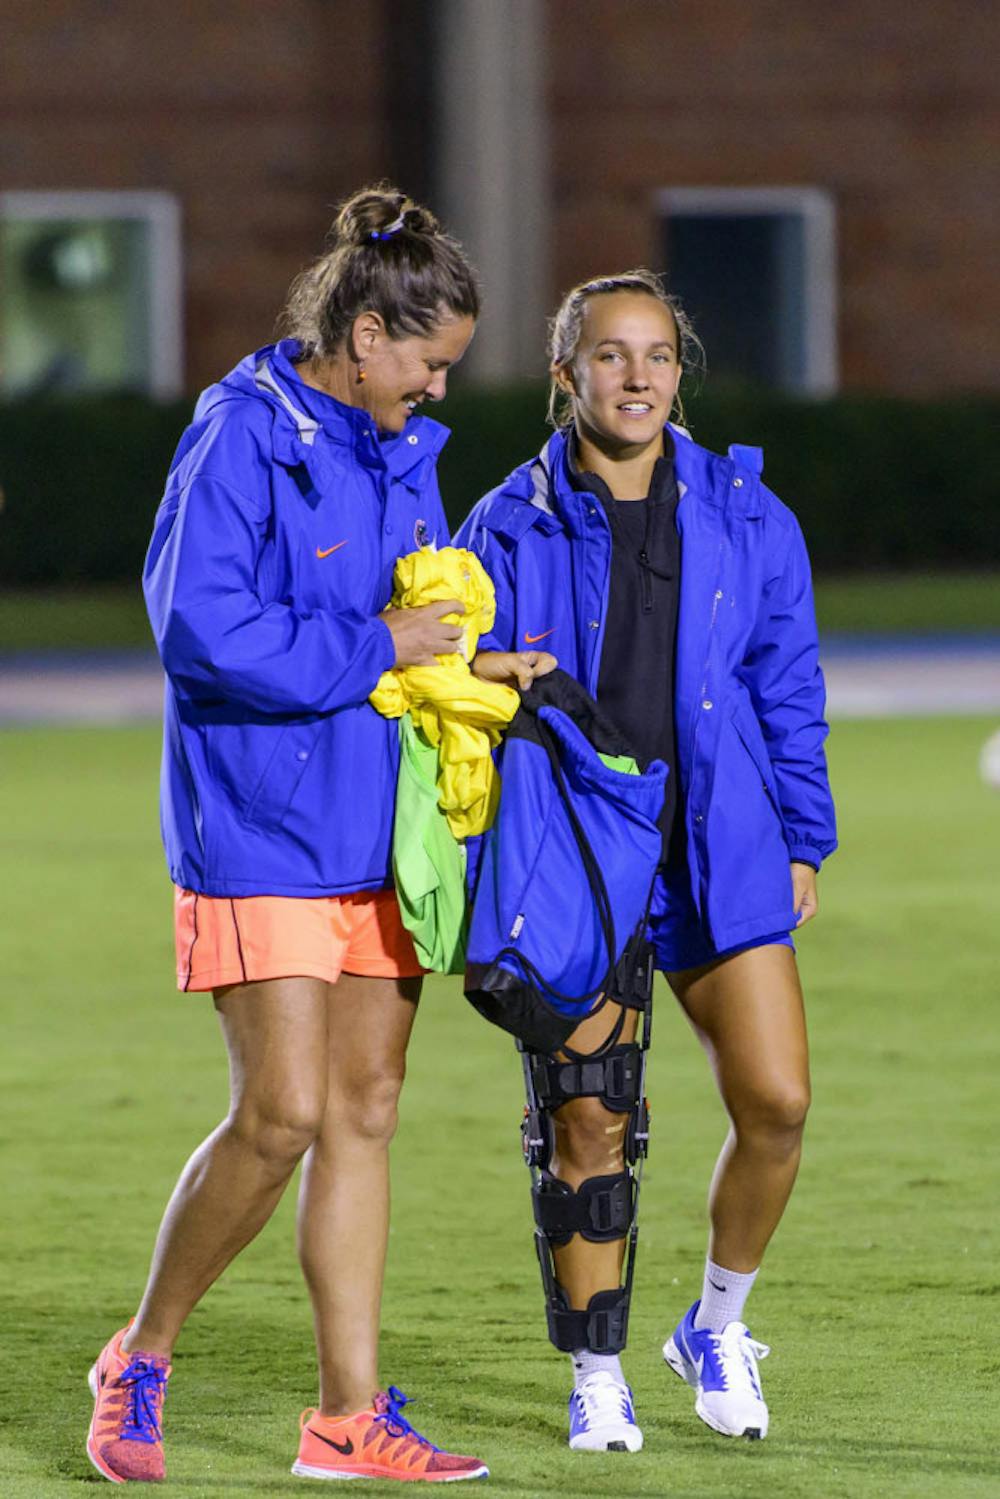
722, 1368
602, 1417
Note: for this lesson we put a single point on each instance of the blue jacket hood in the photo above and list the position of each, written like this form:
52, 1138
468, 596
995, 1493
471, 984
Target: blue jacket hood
539, 493
303, 418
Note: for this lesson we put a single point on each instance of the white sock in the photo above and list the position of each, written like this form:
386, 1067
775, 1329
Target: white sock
585, 1362
723, 1297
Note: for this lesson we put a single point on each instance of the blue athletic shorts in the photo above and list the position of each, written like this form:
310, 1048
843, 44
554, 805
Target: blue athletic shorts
676, 932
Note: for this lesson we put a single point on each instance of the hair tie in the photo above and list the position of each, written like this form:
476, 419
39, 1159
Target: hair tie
391, 230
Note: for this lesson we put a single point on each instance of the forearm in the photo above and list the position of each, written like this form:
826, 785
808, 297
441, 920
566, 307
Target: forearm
272, 658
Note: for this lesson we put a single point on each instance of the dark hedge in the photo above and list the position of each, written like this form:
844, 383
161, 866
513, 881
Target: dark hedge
81, 482
876, 482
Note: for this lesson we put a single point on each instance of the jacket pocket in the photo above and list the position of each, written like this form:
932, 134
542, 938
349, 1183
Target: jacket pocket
749, 875
276, 788
749, 734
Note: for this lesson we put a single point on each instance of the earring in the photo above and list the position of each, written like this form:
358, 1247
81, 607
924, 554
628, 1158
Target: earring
362, 373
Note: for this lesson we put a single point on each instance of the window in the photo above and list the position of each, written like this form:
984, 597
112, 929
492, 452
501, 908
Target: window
755, 269
90, 293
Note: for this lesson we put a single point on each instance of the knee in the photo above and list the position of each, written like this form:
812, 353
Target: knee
777, 1114
371, 1109
589, 1138
279, 1131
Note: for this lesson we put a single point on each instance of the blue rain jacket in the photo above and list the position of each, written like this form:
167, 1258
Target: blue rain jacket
749, 693
272, 555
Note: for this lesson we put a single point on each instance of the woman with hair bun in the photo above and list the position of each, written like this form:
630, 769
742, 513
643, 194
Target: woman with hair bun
306, 472
675, 587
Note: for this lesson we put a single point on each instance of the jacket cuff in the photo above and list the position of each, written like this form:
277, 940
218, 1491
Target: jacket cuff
385, 648
805, 853
490, 642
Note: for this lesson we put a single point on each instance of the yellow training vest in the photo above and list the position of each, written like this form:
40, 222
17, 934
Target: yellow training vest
461, 716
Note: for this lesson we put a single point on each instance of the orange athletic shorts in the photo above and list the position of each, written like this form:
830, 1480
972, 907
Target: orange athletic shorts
248, 938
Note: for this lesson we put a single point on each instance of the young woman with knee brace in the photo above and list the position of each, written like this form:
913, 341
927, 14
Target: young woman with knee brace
306, 472
676, 588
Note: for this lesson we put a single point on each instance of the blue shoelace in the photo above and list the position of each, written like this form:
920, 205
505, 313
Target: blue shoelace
396, 1423
144, 1384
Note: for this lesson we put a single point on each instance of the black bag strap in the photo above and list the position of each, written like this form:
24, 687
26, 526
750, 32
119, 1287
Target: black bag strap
637, 941
598, 890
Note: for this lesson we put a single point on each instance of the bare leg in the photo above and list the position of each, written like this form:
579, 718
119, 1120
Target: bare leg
276, 1034
747, 1012
343, 1215
590, 1141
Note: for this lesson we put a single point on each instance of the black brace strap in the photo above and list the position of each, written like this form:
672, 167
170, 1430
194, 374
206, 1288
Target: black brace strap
602, 1328
614, 1078
600, 1209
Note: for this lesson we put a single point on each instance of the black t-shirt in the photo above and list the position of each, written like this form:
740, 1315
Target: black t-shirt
635, 684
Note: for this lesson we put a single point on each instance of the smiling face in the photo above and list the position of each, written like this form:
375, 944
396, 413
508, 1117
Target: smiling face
401, 373
625, 371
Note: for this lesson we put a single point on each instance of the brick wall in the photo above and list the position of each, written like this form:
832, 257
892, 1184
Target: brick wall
258, 116
893, 108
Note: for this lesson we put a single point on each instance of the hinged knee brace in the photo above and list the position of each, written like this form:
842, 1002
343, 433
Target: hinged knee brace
603, 1208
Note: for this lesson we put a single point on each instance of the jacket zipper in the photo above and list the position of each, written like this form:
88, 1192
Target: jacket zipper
699, 710
646, 586
646, 583
708, 656
594, 664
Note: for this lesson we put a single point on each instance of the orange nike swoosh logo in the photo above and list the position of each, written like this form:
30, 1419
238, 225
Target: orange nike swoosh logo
321, 553
533, 639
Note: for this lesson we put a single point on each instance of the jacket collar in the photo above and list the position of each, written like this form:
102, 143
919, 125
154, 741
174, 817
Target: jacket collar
731, 483
551, 487
548, 483
304, 414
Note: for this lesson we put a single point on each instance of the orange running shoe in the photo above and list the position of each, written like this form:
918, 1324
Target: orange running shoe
125, 1443
377, 1443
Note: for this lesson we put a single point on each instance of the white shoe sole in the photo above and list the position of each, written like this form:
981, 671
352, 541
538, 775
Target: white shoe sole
305, 1470
675, 1360
608, 1439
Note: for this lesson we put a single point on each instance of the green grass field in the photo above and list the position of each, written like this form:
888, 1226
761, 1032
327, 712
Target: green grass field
880, 1293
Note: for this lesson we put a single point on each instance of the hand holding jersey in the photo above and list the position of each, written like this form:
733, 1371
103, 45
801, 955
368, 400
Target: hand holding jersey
422, 634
